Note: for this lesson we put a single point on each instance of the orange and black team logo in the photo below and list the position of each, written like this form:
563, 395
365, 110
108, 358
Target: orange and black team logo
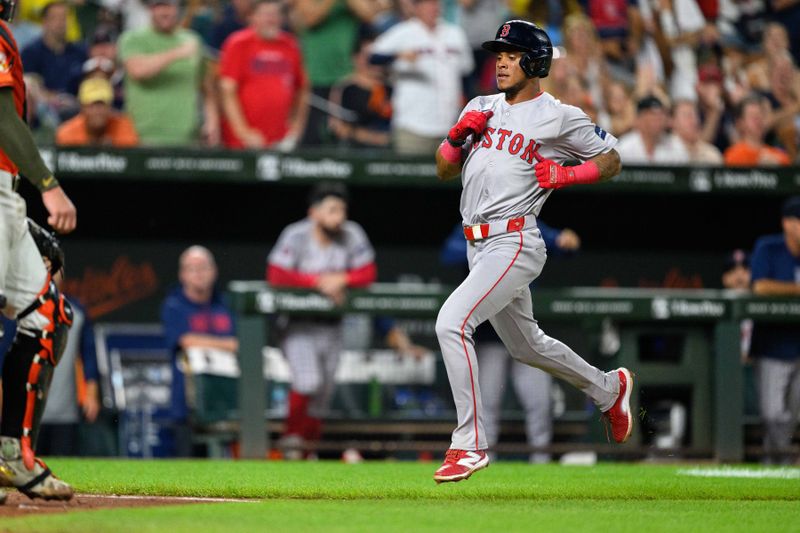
505, 30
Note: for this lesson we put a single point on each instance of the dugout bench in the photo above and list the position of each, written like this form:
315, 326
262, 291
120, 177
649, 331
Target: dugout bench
671, 339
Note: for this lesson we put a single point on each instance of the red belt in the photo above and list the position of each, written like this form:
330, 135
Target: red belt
478, 232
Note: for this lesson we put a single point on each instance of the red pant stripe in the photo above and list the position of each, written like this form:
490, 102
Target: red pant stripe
464, 342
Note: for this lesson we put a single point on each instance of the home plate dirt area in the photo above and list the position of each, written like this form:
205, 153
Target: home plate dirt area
20, 505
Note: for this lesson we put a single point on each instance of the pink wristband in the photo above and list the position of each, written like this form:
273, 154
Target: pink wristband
450, 153
588, 172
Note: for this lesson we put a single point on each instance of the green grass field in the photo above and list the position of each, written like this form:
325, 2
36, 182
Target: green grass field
400, 496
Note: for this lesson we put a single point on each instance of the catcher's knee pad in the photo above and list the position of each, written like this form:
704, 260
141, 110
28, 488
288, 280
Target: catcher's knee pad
52, 310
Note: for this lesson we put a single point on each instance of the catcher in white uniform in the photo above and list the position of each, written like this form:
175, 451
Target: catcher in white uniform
509, 150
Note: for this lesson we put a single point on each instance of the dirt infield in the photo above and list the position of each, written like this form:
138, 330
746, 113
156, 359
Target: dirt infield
20, 505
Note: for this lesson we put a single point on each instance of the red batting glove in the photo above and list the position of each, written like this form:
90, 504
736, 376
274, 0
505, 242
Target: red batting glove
551, 175
473, 122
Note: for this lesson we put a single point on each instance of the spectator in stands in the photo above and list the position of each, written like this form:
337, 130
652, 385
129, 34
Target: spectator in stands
714, 116
327, 30
103, 43
53, 63
787, 12
364, 119
264, 87
234, 18
474, 16
330, 254
775, 267
619, 113
33, 11
165, 70
681, 22
133, 14
751, 150
102, 62
428, 58
686, 127
784, 97
194, 315
774, 44
618, 26
97, 124
585, 57
650, 142
26, 30
741, 24
200, 16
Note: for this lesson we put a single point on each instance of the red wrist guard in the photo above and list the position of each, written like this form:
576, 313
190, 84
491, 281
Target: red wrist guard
450, 153
551, 175
588, 172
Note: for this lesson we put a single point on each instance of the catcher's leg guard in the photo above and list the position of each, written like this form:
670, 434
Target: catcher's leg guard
29, 366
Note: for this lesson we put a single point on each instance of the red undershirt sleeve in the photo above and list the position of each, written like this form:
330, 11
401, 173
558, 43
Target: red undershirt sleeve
279, 276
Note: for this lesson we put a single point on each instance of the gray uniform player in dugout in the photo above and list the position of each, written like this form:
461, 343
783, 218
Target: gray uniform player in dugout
509, 149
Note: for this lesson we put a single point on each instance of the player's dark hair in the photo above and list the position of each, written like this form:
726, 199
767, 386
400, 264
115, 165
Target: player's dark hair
46, 9
325, 189
364, 37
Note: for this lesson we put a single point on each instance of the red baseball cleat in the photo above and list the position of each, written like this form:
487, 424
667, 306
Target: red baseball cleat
460, 464
620, 413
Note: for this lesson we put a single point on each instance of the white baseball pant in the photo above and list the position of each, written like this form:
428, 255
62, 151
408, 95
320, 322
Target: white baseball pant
313, 351
496, 289
22, 270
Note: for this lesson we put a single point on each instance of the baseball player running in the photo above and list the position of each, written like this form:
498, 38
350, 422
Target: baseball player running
510, 150
27, 293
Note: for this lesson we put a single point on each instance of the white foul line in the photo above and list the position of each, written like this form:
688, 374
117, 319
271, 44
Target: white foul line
167, 498
750, 473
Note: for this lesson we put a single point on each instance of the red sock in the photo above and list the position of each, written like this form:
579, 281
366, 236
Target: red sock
296, 420
313, 429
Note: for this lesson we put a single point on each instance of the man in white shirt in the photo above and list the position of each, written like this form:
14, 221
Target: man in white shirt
686, 127
428, 58
680, 22
649, 142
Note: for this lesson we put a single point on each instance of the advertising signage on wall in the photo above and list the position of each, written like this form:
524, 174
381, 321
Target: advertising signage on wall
379, 168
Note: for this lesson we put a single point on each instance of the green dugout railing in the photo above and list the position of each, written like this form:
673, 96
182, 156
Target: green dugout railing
705, 360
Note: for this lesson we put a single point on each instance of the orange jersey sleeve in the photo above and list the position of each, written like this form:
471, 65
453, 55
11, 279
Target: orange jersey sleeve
11, 75
10, 62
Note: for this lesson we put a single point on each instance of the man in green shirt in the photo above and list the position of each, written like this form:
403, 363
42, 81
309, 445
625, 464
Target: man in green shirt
327, 30
165, 76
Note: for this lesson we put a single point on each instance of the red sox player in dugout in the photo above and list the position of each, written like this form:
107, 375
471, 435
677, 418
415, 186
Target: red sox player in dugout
509, 149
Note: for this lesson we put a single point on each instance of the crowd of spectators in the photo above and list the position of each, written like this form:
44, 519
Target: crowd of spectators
678, 81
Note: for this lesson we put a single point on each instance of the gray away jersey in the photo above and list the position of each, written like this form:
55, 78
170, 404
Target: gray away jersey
498, 178
296, 249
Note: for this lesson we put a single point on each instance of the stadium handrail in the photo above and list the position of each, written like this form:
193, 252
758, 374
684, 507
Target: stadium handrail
718, 310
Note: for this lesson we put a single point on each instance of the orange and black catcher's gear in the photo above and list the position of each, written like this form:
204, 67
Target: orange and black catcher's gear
39, 351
